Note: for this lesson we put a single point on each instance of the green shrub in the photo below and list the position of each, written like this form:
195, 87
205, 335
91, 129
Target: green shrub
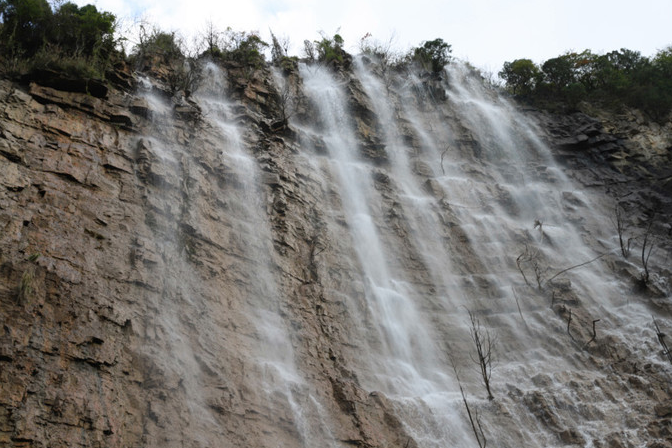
574, 93
83, 31
330, 50
157, 46
432, 55
558, 72
25, 289
52, 58
244, 48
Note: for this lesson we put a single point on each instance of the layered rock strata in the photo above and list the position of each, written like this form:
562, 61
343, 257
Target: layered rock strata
130, 275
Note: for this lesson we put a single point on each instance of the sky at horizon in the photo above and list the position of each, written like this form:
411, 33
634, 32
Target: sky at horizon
484, 32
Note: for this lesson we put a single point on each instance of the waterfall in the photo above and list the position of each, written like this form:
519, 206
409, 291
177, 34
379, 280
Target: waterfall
422, 202
173, 355
476, 193
336, 251
406, 363
269, 344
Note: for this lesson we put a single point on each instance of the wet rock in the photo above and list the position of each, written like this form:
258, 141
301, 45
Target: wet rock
571, 437
132, 311
663, 410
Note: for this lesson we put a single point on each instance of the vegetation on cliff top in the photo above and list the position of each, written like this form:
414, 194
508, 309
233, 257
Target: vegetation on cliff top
619, 78
83, 42
76, 39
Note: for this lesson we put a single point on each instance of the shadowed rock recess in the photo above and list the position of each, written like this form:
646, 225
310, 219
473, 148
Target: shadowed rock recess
294, 259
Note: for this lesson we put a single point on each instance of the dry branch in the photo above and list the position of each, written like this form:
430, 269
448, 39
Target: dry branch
484, 351
594, 334
474, 418
661, 340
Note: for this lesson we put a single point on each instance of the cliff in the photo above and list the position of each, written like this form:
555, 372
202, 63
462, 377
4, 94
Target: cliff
292, 260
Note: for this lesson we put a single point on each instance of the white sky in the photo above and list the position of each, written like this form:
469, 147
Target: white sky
484, 32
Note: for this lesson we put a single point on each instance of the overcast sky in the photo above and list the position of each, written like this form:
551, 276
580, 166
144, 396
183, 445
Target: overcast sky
484, 32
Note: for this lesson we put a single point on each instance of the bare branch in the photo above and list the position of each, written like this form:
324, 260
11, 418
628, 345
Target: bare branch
519, 260
445, 151
484, 350
578, 266
474, 417
621, 228
518, 305
645, 254
661, 339
569, 322
594, 334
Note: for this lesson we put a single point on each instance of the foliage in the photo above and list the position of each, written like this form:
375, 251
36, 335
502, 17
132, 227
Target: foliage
280, 54
330, 50
244, 48
615, 79
558, 72
184, 76
25, 25
521, 75
166, 51
52, 59
212, 40
382, 52
279, 48
70, 36
157, 44
432, 55
84, 30
25, 289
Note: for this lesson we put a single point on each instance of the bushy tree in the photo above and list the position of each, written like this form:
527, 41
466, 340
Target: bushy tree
558, 72
83, 31
583, 65
521, 76
244, 48
165, 51
69, 37
165, 44
280, 54
25, 26
330, 49
432, 55
211, 39
652, 89
615, 79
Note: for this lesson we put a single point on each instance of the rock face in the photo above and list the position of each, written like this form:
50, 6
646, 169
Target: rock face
252, 268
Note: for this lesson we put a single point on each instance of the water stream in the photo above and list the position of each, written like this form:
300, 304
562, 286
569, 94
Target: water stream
284, 387
478, 189
405, 361
461, 211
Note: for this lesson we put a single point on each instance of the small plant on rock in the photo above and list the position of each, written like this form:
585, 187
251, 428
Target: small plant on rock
25, 288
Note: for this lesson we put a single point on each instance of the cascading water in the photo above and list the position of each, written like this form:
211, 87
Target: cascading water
172, 349
270, 346
482, 171
461, 211
301, 258
406, 363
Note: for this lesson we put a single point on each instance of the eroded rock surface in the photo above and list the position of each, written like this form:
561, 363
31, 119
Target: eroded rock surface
130, 275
